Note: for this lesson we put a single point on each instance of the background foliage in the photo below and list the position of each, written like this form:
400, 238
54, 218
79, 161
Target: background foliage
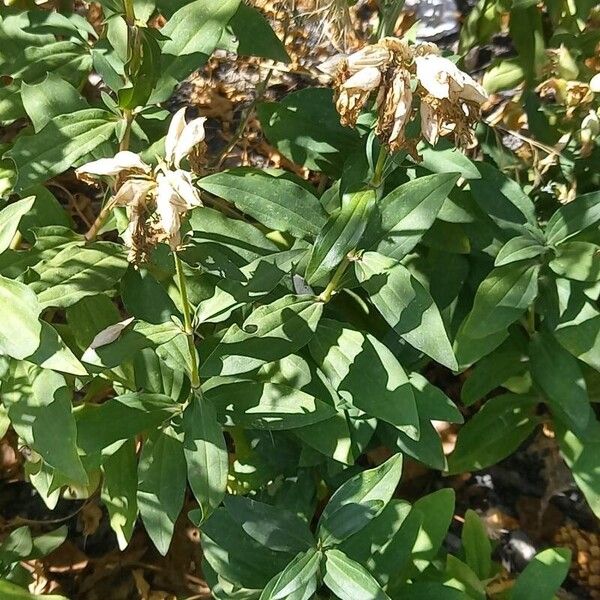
315, 309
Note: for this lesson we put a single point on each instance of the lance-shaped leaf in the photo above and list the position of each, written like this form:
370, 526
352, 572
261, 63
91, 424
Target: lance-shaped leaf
59, 145
349, 580
519, 248
271, 526
297, 581
273, 201
359, 500
580, 452
573, 218
498, 429
10, 217
406, 305
161, 486
75, 273
99, 426
258, 405
543, 576
559, 376
271, 332
41, 415
503, 296
20, 334
205, 454
366, 374
340, 235
408, 212
119, 491
194, 32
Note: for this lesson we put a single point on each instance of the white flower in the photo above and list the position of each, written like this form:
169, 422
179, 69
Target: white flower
444, 80
595, 83
155, 199
182, 137
370, 56
111, 167
366, 80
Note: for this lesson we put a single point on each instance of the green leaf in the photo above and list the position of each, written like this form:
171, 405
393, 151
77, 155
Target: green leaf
462, 576
75, 273
145, 298
297, 580
53, 353
406, 305
519, 248
253, 36
10, 217
573, 218
161, 486
503, 296
364, 496
120, 419
42, 415
258, 405
348, 580
494, 432
270, 332
504, 74
509, 360
444, 158
305, 128
119, 491
366, 374
409, 211
17, 546
341, 234
61, 144
580, 451
194, 32
273, 201
259, 277
273, 527
10, 591
385, 544
543, 576
235, 556
559, 376
205, 454
50, 98
477, 546
20, 335
577, 260
580, 334
503, 200
437, 511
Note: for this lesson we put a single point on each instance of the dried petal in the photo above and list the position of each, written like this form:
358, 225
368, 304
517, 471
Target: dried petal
192, 134
366, 80
430, 125
181, 182
133, 191
176, 127
369, 57
169, 205
123, 161
105, 337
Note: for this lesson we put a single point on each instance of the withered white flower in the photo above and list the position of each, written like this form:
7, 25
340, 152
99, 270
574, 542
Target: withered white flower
444, 80
450, 100
156, 198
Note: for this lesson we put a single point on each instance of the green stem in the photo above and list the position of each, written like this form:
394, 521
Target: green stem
187, 321
332, 286
379, 167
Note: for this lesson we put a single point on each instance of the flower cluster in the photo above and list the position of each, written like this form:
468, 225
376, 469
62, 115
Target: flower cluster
407, 78
157, 198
